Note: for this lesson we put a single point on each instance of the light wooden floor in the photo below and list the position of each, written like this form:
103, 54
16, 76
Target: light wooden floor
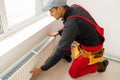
60, 72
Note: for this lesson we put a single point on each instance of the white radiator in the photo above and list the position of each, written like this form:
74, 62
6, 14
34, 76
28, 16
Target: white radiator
33, 59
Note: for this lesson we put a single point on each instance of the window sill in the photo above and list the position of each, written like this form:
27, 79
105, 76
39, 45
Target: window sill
13, 40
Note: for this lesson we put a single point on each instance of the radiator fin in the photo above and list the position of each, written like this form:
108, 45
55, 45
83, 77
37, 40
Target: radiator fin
10, 73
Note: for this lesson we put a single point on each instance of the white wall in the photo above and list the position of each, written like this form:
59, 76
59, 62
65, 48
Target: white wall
107, 15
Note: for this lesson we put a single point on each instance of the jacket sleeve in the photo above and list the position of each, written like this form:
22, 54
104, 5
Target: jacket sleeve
68, 36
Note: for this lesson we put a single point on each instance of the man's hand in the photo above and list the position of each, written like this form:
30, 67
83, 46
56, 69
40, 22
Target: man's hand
36, 72
54, 34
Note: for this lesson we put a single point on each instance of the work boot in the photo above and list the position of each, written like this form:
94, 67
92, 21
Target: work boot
67, 56
102, 66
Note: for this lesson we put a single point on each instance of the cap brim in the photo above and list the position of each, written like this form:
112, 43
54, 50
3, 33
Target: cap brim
46, 8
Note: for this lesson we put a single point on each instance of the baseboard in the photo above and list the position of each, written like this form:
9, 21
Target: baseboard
112, 57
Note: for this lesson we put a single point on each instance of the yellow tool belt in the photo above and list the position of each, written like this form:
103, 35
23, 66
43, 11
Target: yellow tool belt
94, 57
